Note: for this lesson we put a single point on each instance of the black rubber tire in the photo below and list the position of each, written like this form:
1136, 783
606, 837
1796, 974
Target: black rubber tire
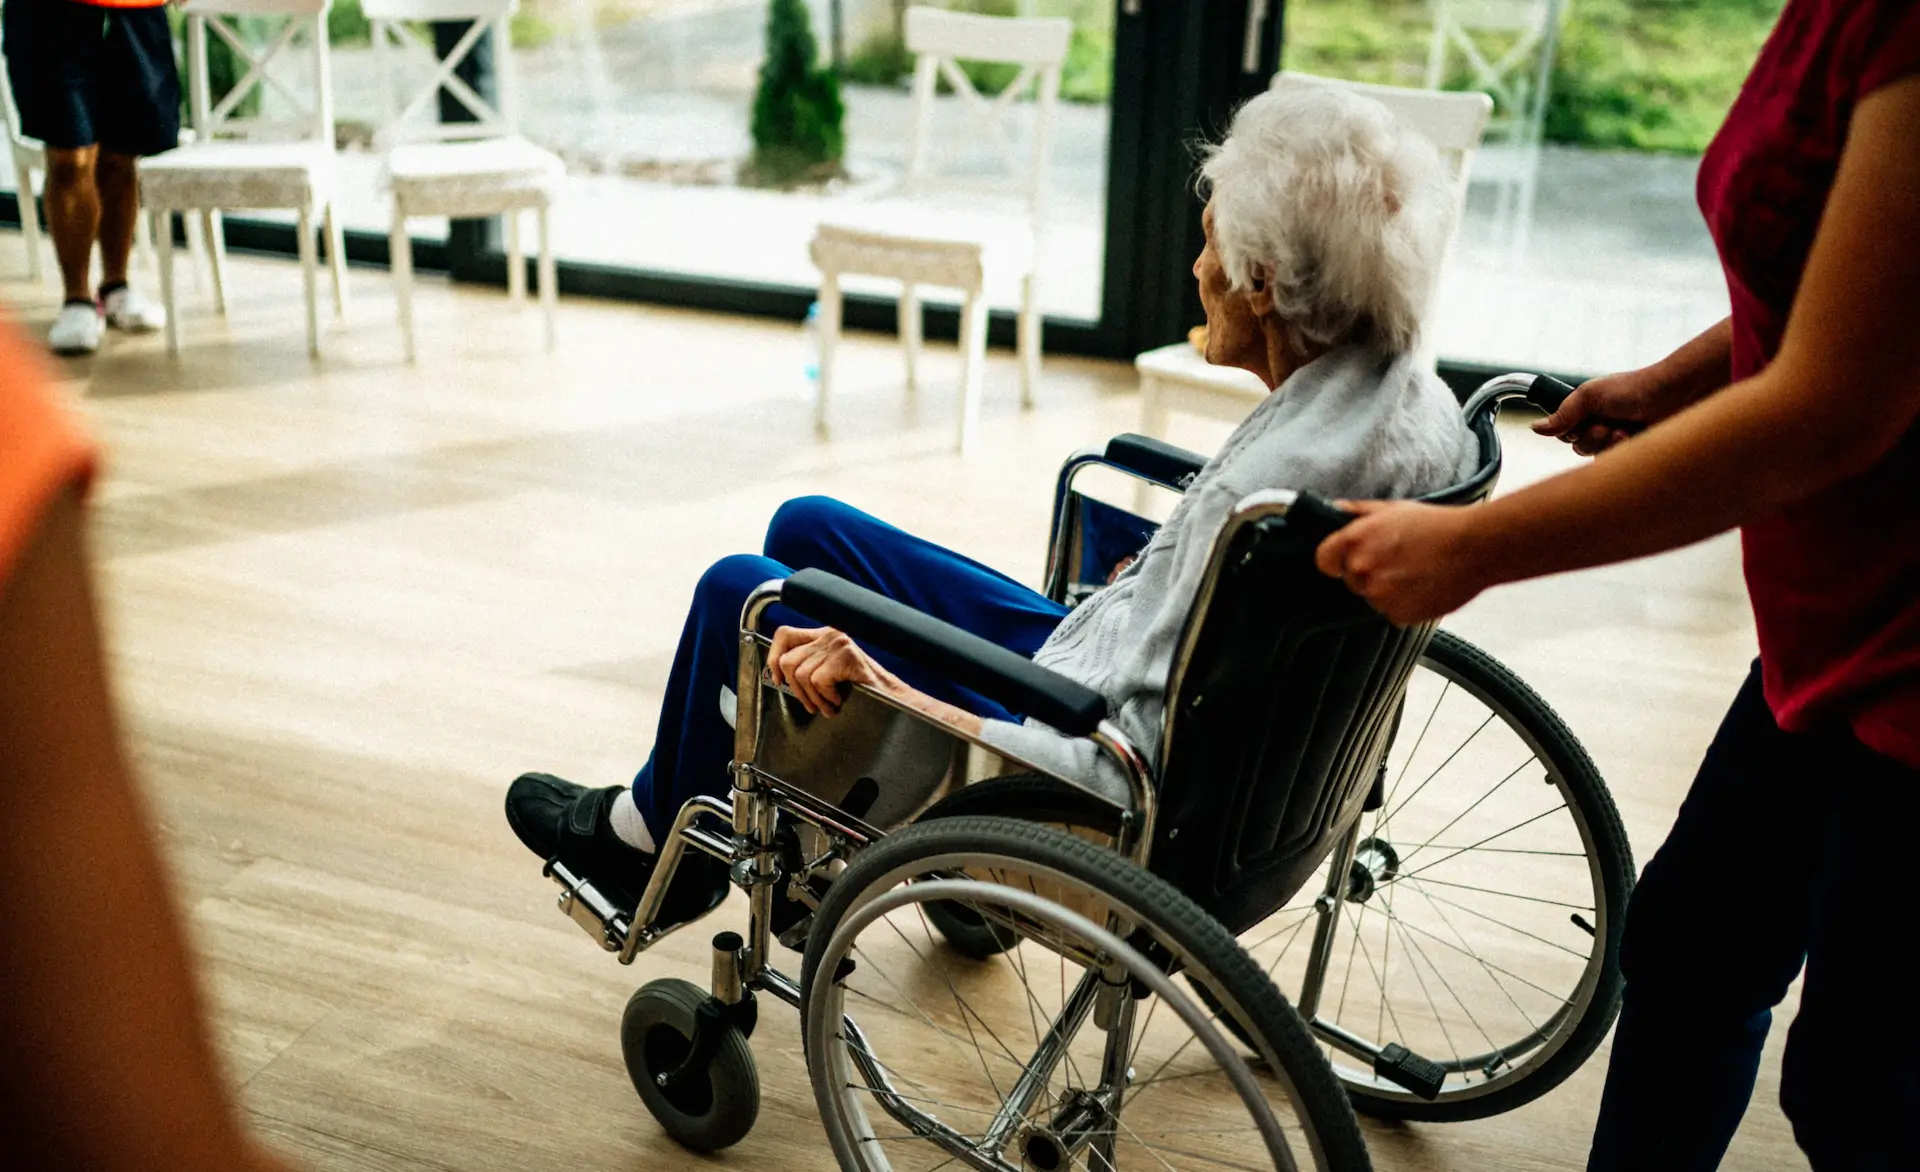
655, 1032
1153, 901
1562, 752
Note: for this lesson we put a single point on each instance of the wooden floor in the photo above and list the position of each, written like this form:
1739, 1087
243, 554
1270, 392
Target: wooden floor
349, 599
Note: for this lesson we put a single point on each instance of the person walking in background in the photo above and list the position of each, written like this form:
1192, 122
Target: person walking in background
94, 80
105, 1064
1798, 420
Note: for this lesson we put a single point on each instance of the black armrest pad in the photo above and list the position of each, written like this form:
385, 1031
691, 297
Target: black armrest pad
1154, 459
970, 661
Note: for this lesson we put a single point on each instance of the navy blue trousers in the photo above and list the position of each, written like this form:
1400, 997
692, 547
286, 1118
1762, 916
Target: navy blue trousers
1790, 850
694, 744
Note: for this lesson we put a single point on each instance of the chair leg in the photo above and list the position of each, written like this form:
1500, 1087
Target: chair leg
163, 232
911, 317
400, 257
337, 260
549, 279
1029, 339
310, 280
196, 246
973, 364
212, 231
516, 261
829, 342
29, 221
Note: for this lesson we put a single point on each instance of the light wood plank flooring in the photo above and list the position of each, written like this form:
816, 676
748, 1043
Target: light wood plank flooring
349, 599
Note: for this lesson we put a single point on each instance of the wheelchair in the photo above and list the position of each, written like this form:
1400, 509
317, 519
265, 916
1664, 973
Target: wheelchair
1003, 970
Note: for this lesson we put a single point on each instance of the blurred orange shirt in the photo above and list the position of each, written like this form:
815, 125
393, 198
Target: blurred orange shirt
42, 450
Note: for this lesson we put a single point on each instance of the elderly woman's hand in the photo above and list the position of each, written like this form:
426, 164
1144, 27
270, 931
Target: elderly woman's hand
1406, 558
817, 663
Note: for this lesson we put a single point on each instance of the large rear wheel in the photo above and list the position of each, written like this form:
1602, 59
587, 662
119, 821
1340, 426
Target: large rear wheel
1060, 1051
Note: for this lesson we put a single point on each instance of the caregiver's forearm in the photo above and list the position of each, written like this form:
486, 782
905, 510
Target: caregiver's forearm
1728, 459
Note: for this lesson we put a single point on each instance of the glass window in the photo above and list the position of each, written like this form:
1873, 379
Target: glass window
651, 102
1582, 248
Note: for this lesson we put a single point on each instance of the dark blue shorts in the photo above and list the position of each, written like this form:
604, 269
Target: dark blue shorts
85, 75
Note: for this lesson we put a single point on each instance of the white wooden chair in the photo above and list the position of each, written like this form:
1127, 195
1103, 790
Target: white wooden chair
269, 161
1518, 78
29, 158
459, 169
1177, 377
917, 240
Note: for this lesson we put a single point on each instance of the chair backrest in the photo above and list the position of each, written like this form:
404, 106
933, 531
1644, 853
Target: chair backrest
941, 40
411, 116
1517, 76
303, 30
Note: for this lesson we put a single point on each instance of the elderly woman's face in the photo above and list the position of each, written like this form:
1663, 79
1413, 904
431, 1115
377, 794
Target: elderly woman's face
1234, 333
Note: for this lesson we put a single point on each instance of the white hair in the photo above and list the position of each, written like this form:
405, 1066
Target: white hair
1344, 206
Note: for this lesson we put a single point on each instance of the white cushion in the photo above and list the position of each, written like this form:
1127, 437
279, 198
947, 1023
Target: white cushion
449, 178
229, 174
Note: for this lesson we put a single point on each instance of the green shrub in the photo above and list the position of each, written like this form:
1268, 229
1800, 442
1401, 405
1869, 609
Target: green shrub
798, 121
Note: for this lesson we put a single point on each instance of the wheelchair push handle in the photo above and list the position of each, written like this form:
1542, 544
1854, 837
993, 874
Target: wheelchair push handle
1549, 394
970, 661
1315, 517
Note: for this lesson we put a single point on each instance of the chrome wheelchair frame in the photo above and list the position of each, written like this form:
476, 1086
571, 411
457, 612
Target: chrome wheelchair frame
885, 764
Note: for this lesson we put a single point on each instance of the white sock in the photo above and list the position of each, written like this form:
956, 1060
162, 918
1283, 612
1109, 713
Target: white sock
628, 825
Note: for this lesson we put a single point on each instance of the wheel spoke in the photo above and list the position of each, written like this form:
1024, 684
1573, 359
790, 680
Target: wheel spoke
1531, 758
1477, 845
1502, 923
1387, 802
1429, 777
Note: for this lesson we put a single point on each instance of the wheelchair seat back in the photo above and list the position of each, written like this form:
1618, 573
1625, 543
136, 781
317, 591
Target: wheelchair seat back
1279, 717
1284, 697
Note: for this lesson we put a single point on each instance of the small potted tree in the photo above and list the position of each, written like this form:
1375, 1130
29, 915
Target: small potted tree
799, 131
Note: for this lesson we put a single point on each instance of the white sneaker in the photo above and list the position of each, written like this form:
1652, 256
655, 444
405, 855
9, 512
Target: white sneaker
133, 312
77, 329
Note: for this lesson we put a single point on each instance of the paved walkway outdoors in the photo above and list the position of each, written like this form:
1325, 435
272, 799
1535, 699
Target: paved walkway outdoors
652, 113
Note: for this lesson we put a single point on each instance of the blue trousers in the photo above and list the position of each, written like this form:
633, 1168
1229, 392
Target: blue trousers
1790, 849
694, 744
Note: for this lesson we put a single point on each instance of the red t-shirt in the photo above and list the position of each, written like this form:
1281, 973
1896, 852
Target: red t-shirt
1834, 578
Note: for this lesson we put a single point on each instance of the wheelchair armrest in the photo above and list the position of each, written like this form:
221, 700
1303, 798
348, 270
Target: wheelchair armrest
1155, 459
993, 671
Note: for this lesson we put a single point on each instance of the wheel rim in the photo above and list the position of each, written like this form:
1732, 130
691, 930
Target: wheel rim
1457, 935
976, 1045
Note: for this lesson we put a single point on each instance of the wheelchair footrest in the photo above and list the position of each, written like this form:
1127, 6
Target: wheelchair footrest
585, 906
1407, 1070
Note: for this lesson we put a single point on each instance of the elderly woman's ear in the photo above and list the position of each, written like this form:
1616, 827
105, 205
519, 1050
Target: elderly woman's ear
1260, 289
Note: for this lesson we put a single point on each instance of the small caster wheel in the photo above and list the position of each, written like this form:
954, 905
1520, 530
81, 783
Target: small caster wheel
706, 1100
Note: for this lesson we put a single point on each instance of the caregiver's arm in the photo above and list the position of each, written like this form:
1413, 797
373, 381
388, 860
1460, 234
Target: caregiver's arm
1843, 390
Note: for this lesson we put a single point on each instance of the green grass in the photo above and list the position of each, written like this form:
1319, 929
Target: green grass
1655, 75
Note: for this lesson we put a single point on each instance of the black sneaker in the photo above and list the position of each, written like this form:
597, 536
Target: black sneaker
571, 824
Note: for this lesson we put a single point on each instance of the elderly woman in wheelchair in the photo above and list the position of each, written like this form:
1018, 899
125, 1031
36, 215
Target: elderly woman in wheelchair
1102, 796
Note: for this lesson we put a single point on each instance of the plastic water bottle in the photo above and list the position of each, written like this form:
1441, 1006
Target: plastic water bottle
810, 352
